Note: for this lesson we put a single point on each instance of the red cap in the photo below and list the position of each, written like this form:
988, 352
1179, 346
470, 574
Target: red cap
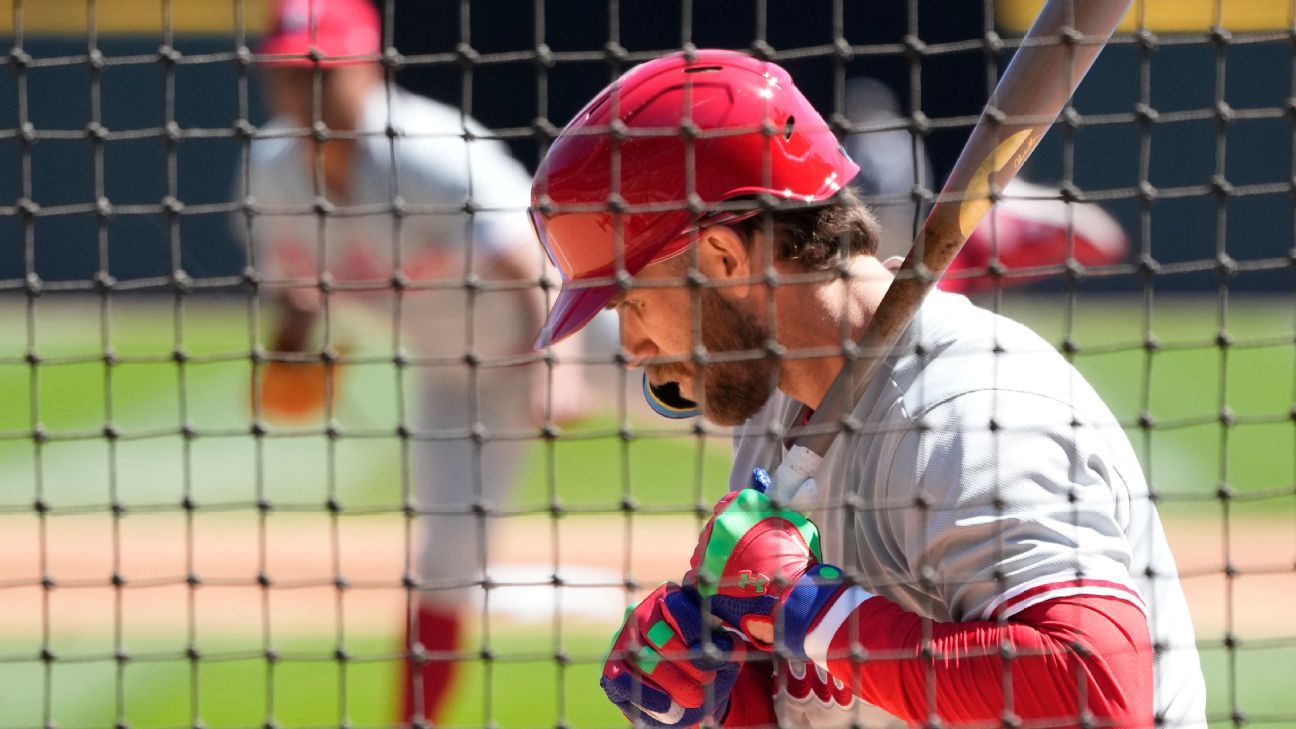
332, 28
680, 136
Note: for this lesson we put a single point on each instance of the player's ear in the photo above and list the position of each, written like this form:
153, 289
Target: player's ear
724, 258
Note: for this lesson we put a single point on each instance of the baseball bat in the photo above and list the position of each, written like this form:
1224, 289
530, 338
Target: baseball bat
1053, 57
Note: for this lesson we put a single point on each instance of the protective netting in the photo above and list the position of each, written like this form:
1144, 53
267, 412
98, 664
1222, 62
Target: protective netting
176, 554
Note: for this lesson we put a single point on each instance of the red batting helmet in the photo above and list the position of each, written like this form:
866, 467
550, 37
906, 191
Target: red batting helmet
657, 150
338, 30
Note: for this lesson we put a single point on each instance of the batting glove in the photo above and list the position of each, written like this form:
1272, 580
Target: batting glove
759, 569
658, 671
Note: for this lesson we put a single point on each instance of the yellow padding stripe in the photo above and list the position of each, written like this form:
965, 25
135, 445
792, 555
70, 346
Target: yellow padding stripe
1168, 16
71, 17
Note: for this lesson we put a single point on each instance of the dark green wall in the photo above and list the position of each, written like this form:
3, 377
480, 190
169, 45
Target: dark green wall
134, 171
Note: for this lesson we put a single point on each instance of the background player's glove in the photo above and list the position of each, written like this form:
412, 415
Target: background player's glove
658, 672
295, 390
292, 391
760, 568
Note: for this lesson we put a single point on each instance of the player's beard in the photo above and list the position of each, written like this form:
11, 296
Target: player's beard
734, 391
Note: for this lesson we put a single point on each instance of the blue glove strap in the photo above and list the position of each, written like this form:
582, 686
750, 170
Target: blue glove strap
805, 602
732, 610
633, 696
685, 609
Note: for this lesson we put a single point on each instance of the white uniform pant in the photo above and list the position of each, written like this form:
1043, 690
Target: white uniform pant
460, 480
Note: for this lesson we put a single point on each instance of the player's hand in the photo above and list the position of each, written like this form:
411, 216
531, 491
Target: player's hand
761, 569
295, 391
747, 558
662, 671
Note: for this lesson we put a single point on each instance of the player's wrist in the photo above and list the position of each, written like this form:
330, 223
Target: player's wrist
804, 605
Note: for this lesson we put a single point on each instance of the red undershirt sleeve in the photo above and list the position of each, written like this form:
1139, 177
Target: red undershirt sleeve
1051, 664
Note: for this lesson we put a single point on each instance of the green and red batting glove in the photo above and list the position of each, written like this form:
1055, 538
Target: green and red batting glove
662, 671
759, 569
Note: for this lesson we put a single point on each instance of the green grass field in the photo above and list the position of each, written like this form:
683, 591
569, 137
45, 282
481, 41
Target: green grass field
523, 687
1189, 454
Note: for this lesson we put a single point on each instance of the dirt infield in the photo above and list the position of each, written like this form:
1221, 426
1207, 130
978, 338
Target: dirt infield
303, 555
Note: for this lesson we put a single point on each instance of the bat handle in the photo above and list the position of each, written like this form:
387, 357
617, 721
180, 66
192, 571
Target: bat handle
793, 483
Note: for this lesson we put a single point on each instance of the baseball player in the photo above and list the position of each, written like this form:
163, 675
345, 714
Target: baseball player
373, 210
981, 547
1032, 229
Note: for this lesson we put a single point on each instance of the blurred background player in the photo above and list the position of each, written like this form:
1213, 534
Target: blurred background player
325, 171
1031, 233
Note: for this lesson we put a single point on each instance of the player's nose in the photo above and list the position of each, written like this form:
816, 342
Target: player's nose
636, 345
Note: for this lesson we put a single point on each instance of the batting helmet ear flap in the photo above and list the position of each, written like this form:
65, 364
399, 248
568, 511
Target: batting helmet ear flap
666, 400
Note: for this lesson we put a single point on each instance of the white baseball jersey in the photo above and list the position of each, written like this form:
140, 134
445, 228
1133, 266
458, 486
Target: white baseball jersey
989, 477
434, 171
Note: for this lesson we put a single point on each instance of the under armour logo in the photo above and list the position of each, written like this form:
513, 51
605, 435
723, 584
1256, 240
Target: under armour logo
758, 581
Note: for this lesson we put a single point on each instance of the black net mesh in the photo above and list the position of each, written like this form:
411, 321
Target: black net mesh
261, 465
